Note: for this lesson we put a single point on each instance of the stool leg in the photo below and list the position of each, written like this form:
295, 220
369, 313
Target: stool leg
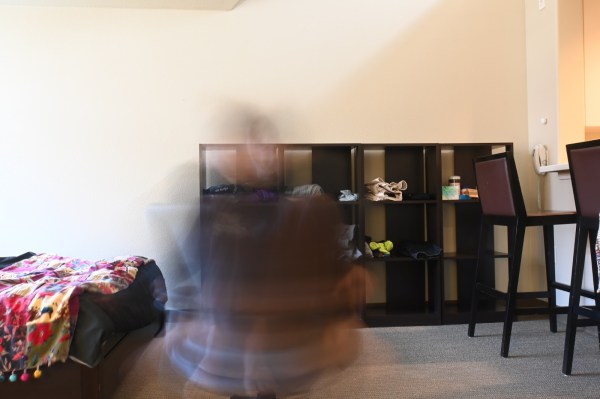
484, 232
574, 298
550, 274
473, 316
516, 235
593, 234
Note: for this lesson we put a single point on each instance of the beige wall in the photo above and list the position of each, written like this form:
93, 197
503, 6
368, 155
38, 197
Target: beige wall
101, 110
562, 54
571, 76
591, 28
556, 75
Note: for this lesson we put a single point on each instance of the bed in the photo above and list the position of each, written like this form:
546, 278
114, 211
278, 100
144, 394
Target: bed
117, 310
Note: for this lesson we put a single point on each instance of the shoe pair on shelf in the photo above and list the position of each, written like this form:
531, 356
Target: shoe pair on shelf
379, 190
381, 249
347, 195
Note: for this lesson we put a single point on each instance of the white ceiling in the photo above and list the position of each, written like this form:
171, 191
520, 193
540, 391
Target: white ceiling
175, 4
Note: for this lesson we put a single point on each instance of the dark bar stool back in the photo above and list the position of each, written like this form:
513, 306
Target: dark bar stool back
584, 165
502, 204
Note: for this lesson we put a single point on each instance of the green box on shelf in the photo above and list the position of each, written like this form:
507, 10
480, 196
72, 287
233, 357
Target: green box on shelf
450, 192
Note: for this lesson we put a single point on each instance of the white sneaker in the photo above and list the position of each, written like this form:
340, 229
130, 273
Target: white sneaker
347, 195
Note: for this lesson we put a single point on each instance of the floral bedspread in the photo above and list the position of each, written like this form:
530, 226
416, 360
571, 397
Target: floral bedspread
39, 302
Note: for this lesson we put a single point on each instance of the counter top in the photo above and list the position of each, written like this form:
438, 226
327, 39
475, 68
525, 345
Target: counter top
554, 168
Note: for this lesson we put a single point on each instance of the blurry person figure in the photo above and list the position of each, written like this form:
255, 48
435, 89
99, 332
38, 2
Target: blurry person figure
276, 304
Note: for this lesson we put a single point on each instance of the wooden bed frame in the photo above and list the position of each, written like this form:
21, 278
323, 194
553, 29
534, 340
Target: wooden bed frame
71, 380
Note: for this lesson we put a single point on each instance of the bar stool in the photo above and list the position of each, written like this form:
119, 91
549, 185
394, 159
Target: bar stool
502, 204
584, 165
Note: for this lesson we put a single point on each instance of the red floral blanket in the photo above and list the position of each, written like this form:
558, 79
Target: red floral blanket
39, 302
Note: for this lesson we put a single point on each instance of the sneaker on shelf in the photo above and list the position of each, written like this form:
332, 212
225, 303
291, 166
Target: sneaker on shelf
379, 190
347, 195
381, 248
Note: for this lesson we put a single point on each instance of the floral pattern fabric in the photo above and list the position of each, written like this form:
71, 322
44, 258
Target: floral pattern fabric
39, 302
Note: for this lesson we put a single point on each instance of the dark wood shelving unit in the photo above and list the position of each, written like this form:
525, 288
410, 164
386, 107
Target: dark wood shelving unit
379, 315
467, 216
414, 290
412, 287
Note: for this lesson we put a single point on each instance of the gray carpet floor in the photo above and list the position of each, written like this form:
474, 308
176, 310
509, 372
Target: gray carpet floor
418, 362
